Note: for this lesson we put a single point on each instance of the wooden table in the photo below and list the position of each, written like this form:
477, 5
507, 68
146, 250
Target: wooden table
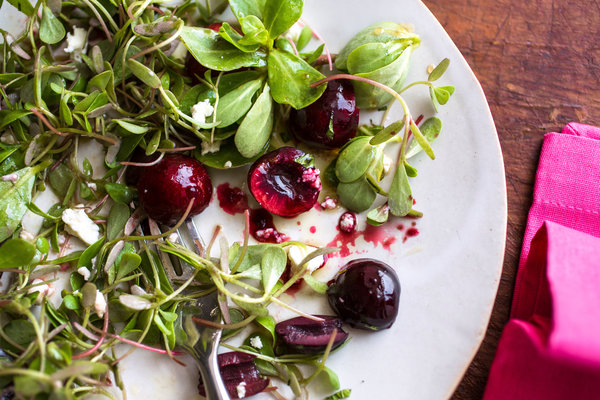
539, 65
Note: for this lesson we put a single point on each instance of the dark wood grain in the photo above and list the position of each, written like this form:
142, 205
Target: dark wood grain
539, 65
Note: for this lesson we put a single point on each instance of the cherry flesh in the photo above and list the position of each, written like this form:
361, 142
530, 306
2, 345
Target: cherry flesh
366, 294
263, 229
329, 122
167, 188
284, 182
232, 200
238, 368
306, 336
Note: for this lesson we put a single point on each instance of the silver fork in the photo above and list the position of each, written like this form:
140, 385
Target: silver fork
202, 342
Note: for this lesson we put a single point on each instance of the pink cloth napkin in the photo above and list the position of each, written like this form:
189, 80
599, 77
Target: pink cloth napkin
550, 348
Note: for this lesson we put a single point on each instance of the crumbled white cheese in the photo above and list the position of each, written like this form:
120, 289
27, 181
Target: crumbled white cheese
227, 164
79, 224
297, 253
85, 272
387, 164
45, 290
26, 235
137, 290
92, 186
208, 147
329, 203
100, 304
201, 110
311, 175
76, 43
347, 222
241, 390
256, 342
11, 177
173, 237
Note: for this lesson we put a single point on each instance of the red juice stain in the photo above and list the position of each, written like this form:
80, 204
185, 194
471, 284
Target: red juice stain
410, 232
372, 234
313, 229
400, 227
232, 200
298, 223
263, 229
343, 241
378, 234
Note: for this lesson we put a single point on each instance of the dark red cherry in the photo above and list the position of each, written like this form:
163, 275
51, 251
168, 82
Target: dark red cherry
166, 189
329, 122
366, 294
285, 182
240, 375
306, 336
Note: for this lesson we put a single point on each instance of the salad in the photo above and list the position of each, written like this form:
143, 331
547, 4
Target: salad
122, 111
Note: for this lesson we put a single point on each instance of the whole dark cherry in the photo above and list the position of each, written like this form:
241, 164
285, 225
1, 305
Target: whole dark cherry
366, 294
166, 189
284, 182
238, 368
329, 122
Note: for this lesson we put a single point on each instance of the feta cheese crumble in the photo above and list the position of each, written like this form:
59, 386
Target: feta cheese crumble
311, 175
347, 222
241, 390
11, 177
227, 164
387, 164
208, 147
201, 110
329, 203
76, 42
85, 272
26, 235
79, 224
256, 342
44, 289
297, 253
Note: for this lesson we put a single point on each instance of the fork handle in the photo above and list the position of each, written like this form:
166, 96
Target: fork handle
213, 383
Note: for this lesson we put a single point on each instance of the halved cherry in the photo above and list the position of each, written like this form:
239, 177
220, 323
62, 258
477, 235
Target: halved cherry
285, 182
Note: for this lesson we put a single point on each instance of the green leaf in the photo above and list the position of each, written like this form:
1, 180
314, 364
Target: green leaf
253, 308
268, 323
127, 263
101, 80
119, 214
273, 264
290, 78
16, 253
354, 159
214, 52
378, 216
24, 6
119, 192
144, 73
372, 56
421, 140
60, 179
235, 104
233, 37
14, 199
255, 130
316, 285
243, 8
332, 377
400, 197
304, 38
439, 70
356, 196
342, 394
381, 32
52, 30
9, 116
227, 154
392, 75
131, 127
88, 255
254, 31
387, 133
280, 15
442, 93
430, 129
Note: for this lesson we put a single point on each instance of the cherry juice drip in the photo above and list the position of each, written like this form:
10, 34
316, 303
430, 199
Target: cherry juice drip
232, 200
263, 229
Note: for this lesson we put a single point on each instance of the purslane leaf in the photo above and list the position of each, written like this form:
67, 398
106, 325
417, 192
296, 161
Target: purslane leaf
255, 130
280, 15
52, 30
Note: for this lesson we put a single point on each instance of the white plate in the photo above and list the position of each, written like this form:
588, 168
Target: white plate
449, 272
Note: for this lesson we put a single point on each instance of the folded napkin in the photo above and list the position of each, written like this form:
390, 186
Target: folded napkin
550, 348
